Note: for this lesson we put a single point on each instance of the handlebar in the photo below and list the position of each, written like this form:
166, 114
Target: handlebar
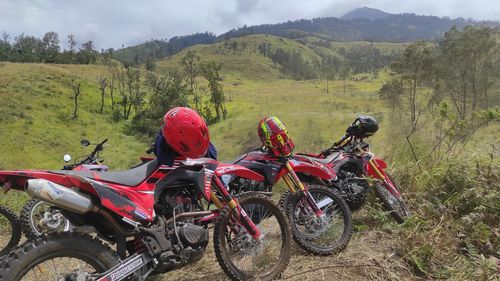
89, 159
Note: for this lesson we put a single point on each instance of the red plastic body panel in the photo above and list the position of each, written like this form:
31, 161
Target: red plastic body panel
240, 171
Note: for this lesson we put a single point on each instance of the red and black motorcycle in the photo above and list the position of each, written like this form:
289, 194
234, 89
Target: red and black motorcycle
320, 219
156, 217
39, 217
357, 169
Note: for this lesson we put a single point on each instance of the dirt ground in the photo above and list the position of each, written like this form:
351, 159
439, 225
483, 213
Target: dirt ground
369, 256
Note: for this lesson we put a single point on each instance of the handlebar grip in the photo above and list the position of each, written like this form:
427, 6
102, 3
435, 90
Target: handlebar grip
104, 141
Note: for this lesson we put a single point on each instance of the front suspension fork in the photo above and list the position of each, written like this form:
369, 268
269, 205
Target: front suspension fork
243, 217
292, 180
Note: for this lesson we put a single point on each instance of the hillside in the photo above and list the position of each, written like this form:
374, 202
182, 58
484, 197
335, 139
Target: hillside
249, 60
36, 124
245, 60
362, 24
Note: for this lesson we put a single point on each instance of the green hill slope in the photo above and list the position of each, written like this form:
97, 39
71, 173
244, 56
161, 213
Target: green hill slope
245, 60
36, 128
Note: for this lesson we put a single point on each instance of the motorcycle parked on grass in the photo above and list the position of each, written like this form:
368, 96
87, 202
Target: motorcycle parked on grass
358, 169
320, 219
155, 217
39, 217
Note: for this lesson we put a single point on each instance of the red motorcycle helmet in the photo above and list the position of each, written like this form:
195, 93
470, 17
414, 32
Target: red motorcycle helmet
274, 136
186, 132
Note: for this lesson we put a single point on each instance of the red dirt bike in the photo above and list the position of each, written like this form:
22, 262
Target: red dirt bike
358, 169
156, 218
39, 217
320, 219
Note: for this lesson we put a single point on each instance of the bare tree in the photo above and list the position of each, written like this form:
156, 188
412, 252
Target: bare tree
103, 83
190, 64
75, 85
112, 80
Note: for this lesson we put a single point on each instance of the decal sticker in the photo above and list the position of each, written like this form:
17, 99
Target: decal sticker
53, 192
124, 270
141, 214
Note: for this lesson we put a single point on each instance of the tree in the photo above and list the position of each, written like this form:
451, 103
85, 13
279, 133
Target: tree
107, 56
27, 49
103, 83
71, 42
189, 62
51, 48
75, 85
413, 67
112, 80
72, 45
467, 66
168, 90
135, 94
211, 71
87, 53
344, 73
328, 66
5, 47
392, 91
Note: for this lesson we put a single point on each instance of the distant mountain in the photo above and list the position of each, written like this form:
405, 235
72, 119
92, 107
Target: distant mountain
365, 13
363, 24
391, 28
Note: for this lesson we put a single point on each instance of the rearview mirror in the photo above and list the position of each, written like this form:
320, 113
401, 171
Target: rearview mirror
85, 142
66, 158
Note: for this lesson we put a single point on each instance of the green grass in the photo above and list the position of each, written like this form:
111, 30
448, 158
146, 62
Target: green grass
37, 128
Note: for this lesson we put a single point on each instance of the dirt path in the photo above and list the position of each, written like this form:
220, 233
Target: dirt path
369, 256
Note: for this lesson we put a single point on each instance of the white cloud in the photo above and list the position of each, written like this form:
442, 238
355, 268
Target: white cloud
111, 23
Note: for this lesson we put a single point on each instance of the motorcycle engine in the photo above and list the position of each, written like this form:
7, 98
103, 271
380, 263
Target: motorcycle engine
188, 240
353, 188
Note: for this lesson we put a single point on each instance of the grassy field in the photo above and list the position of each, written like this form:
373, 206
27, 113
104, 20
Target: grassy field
36, 129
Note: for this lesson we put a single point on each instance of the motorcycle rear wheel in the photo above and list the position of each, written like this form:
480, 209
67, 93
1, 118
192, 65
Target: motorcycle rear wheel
9, 229
39, 217
42, 258
239, 255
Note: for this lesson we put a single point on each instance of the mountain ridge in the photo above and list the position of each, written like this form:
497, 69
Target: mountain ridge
365, 24
366, 13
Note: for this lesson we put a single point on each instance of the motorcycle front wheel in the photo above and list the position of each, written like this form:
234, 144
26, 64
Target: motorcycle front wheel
240, 255
323, 235
59, 256
396, 206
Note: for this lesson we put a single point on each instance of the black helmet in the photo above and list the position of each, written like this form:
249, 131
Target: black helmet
363, 127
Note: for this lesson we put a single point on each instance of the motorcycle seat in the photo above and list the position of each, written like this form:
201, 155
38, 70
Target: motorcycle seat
326, 160
132, 177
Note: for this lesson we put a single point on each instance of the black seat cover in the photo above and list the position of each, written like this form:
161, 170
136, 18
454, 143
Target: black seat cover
326, 160
130, 177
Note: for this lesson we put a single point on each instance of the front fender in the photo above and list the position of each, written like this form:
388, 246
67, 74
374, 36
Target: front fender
239, 171
313, 168
380, 166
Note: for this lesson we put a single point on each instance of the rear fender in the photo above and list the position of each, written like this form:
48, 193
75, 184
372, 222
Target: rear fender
17, 179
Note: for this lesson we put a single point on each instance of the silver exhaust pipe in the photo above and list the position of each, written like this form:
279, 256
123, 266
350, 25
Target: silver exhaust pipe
59, 195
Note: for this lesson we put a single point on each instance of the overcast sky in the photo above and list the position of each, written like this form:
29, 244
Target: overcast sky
111, 23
